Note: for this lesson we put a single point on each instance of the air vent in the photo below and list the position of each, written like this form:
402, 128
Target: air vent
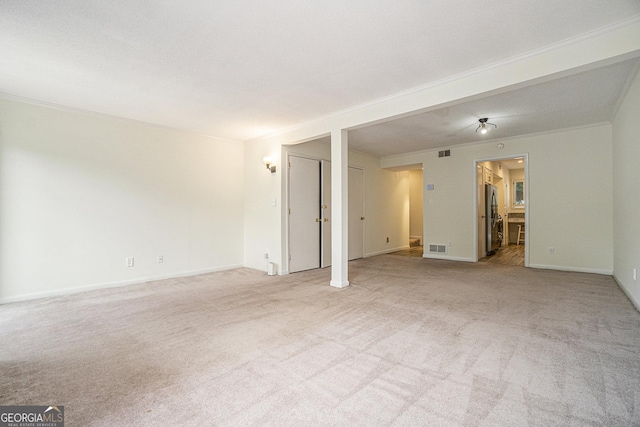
438, 249
444, 153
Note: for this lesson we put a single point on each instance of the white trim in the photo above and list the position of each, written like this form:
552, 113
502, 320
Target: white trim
339, 284
107, 285
635, 303
572, 269
392, 157
98, 114
625, 89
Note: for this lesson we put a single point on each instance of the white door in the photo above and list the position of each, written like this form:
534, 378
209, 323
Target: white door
325, 212
304, 214
356, 213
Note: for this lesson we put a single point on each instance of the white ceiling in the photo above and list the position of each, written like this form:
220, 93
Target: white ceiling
242, 69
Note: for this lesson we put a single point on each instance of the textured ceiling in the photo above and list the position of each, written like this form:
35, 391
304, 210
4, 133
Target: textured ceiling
241, 69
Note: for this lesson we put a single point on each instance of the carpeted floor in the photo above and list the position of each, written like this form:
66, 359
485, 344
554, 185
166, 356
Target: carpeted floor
415, 251
411, 342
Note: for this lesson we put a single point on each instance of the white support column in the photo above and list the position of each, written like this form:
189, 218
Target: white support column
339, 209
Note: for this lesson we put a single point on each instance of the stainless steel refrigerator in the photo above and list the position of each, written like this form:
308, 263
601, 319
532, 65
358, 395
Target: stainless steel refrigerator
493, 218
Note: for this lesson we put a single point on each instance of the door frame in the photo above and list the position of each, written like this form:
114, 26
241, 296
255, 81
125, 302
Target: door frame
527, 218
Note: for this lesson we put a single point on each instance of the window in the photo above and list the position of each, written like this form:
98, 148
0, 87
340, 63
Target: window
518, 193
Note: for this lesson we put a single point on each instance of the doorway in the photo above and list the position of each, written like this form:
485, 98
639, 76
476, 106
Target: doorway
501, 221
416, 211
309, 183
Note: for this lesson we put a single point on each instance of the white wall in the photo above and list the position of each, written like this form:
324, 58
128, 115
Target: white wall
626, 200
569, 187
263, 189
81, 192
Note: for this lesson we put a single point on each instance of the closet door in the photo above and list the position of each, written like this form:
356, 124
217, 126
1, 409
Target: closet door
304, 214
325, 211
356, 213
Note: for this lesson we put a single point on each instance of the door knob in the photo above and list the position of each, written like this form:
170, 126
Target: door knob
324, 206
326, 220
361, 218
318, 220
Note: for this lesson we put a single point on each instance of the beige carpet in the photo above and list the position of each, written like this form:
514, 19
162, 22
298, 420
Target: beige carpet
411, 342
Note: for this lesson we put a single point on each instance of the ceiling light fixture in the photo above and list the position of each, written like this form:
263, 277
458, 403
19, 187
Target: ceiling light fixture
482, 127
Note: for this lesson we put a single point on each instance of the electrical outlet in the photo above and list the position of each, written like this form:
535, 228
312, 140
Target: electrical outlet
266, 255
160, 259
387, 240
129, 261
552, 250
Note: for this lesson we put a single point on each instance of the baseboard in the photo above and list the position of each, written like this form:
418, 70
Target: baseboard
448, 258
573, 269
339, 284
386, 251
635, 303
107, 285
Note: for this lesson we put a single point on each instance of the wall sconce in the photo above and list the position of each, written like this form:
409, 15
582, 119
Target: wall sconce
268, 163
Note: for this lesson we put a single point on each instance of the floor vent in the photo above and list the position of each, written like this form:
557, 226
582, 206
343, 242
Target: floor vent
438, 249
